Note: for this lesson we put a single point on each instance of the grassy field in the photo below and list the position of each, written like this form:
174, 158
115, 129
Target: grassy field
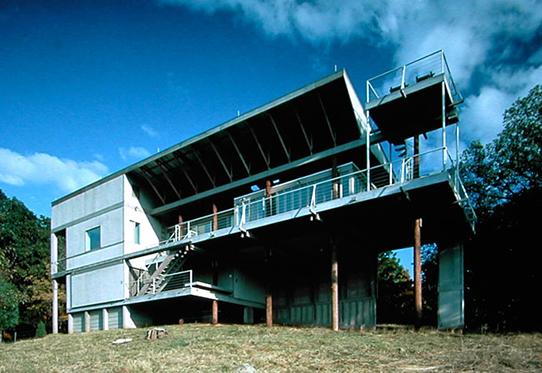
230, 348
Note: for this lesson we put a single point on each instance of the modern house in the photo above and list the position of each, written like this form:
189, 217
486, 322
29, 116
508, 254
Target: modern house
276, 215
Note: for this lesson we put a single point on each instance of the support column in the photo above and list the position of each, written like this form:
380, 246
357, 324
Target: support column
268, 290
451, 303
418, 303
334, 287
443, 113
105, 319
418, 272
215, 217
70, 323
55, 307
87, 321
214, 317
248, 315
127, 322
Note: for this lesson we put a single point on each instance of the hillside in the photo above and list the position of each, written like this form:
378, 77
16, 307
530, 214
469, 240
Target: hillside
201, 347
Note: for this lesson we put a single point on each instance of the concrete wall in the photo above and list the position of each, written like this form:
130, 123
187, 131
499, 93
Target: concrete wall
97, 286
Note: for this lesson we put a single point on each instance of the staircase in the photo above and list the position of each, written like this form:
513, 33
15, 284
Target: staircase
158, 279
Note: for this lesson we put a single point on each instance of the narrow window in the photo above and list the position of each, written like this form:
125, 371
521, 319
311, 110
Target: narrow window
93, 239
137, 233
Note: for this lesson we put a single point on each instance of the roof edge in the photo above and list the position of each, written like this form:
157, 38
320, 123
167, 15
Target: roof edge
258, 110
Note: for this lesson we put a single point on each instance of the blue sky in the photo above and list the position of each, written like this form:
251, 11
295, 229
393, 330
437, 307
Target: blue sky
89, 87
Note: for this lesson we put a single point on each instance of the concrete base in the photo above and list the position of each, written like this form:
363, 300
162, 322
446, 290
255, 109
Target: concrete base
451, 302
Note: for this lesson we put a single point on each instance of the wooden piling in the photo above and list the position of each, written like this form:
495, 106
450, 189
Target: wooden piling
214, 318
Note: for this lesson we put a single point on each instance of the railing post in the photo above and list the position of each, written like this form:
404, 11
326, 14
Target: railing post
443, 113
403, 77
313, 196
368, 151
154, 285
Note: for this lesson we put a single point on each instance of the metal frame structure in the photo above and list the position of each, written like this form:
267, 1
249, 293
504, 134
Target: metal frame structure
304, 147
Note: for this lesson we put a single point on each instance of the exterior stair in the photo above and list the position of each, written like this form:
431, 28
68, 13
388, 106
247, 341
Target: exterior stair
158, 280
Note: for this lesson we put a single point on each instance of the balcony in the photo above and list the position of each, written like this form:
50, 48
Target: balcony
309, 195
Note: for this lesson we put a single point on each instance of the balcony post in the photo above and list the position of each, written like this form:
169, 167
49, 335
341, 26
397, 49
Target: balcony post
215, 217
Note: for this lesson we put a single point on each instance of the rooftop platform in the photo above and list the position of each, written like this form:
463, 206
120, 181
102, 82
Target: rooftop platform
408, 100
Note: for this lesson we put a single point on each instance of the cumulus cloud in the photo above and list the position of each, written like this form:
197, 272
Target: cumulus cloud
479, 37
133, 152
42, 168
149, 130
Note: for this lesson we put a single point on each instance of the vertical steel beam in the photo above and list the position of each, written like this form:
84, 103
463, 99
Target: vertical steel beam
55, 307
418, 272
368, 151
443, 113
286, 152
334, 286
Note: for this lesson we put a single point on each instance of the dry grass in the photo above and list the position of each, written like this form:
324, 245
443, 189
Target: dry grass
206, 348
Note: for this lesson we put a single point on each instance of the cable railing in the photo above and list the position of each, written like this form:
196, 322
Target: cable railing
288, 200
397, 79
312, 196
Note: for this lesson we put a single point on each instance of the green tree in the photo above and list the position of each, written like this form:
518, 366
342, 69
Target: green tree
395, 294
504, 180
9, 305
24, 258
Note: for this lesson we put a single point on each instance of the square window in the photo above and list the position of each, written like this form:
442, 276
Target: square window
93, 239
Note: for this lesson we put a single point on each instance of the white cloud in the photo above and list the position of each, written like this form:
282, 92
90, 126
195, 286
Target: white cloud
149, 130
483, 113
479, 37
133, 152
41, 168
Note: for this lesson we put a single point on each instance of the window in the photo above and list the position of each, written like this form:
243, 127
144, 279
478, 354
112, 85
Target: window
137, 233
93, 239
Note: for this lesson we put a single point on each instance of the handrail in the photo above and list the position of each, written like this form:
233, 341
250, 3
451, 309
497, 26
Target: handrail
309, 195
402, 76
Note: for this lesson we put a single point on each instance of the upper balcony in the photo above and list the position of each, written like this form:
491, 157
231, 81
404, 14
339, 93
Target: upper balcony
409, 100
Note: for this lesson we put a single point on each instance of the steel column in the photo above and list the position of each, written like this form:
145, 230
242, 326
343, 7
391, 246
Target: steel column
334, 287
55, 307
443, 113
418, 272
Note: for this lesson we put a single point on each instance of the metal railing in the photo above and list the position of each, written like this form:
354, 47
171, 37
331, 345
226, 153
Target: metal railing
177, 280
309, 196
170, 281
414, 72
